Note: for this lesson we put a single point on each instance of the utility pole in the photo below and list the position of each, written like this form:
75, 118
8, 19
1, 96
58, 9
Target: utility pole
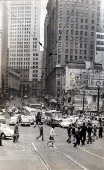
98, 97
83, 107
98, 94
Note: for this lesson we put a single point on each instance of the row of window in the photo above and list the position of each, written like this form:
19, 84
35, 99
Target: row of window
35, 71
100, 42
20, 59
19, 63
100, 49
19, 55
81, 33
100, 36
35, 63
35, 75
78, 58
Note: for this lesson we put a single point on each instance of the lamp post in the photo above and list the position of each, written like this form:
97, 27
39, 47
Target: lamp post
98, 94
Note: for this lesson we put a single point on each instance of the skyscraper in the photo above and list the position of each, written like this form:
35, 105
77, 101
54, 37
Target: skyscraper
24, 37
0, 61
100, 33
4, 50
71, 34
100, 16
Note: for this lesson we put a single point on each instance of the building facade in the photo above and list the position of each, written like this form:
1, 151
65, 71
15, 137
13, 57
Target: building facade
44, 68
13, 83
24, 37
0, 61
81, 82
100, 33
100, 48
100, 16
71, 33
4, 52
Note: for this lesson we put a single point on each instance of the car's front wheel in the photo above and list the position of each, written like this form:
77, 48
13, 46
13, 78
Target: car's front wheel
3, 136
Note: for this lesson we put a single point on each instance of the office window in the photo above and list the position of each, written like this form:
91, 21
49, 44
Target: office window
86, 20
86, 33
81, 20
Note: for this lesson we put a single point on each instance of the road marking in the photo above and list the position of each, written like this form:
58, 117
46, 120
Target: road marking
34, 147
41, 158
93, 154
74, 161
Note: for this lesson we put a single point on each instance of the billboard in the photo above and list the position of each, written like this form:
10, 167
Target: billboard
73, 78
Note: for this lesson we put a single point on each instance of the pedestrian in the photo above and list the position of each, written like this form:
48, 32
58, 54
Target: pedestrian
100, 121
95, 132
89, 131
77, 137
83, 133
52, 137
0, 138
100, 131
16, 133
41, 131
73, 132
69, 134
38, 118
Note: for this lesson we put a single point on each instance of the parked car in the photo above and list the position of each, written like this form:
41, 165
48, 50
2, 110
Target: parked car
31, 119
66, 122
25, 121
2, 119
13, 120
6, 131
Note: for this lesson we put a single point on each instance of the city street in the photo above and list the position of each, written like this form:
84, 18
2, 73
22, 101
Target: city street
32, 154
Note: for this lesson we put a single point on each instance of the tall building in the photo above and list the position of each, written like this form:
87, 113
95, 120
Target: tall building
24, 37
100, 48
100, 16
4, 51
100, 33
0, 61
71, 36
44, 68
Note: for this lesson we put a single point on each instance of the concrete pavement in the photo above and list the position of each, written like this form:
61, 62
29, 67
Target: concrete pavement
32, 154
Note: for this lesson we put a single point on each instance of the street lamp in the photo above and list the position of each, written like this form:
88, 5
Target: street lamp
98, 94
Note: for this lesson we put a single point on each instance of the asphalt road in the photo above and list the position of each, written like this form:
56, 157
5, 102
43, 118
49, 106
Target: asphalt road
32, 154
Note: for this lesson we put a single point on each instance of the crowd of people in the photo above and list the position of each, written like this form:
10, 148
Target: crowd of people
78, 135
84, 134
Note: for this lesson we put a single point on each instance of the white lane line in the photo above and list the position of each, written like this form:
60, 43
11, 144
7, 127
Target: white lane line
34, 147
93, 154
77, 163
74, 161
41, 158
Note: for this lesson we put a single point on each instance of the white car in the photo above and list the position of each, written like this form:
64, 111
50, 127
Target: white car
66, 122
25, 121
13, 120
2, 119
6, 131
31, 119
